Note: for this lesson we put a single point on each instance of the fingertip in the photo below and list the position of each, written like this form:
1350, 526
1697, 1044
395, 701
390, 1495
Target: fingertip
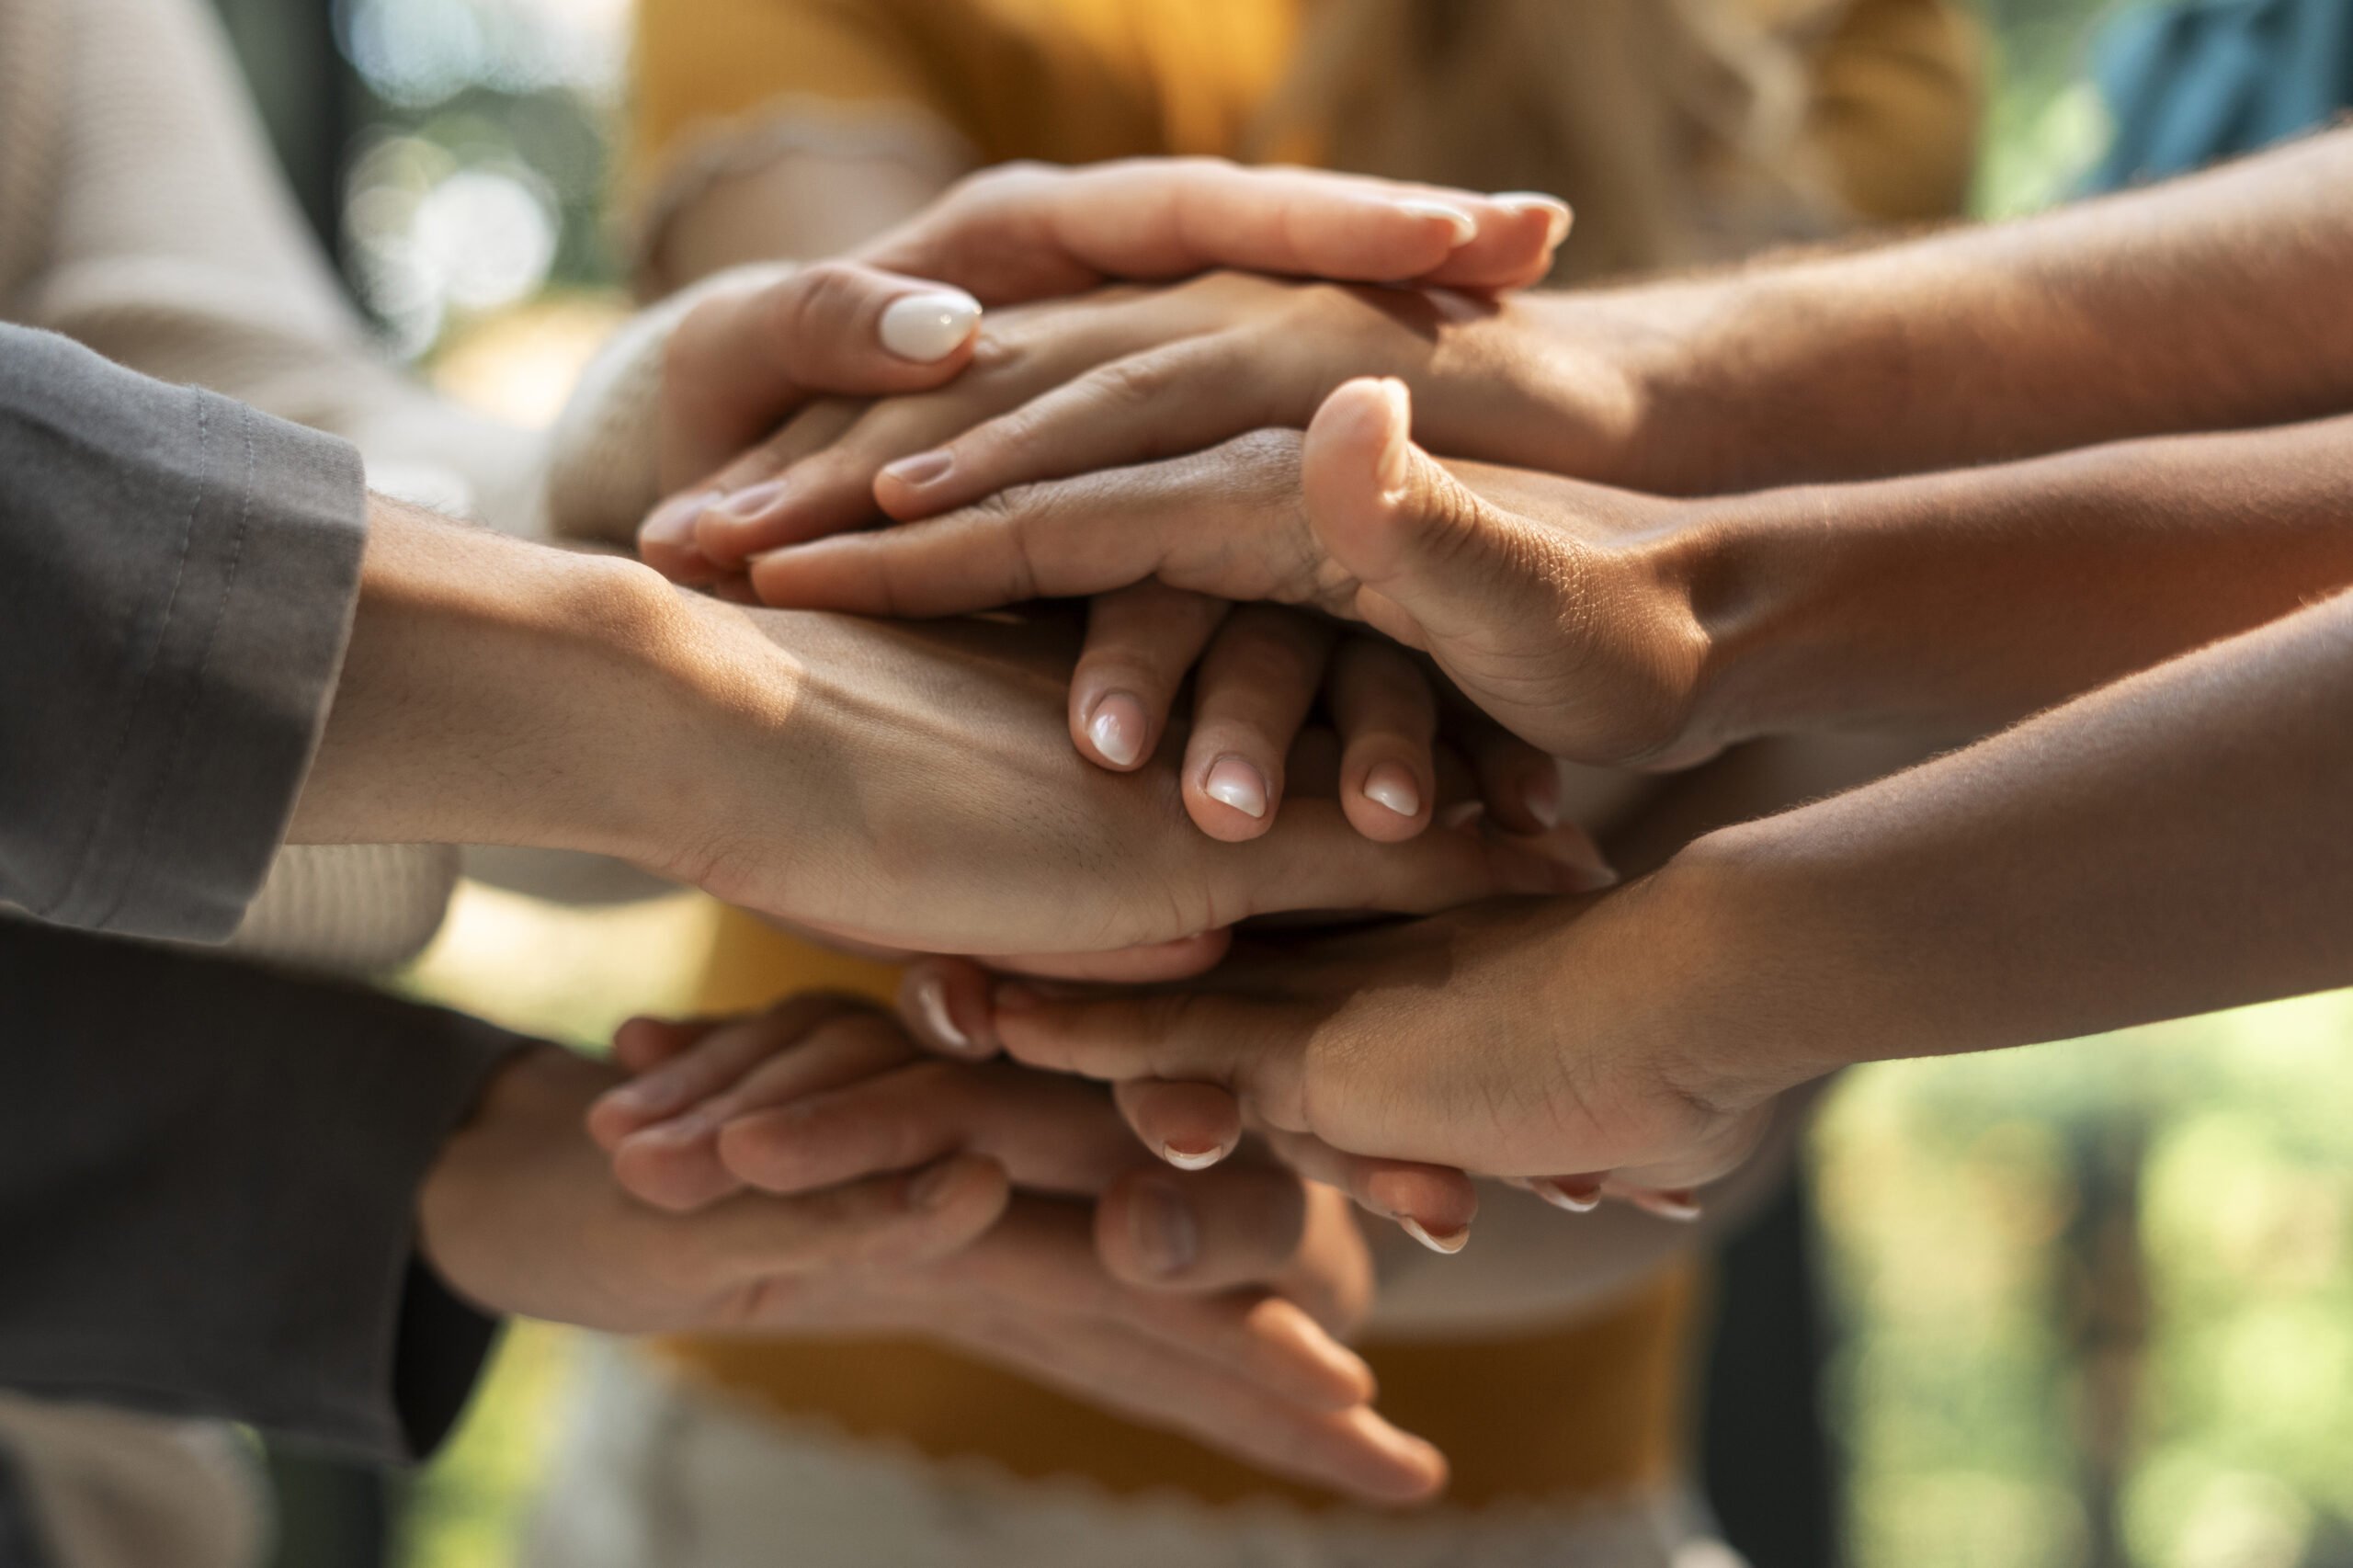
1189, 1126
1231, 799
1389, 801
667, 540
930, 327
1114, 729
1435, 1204
944, 1004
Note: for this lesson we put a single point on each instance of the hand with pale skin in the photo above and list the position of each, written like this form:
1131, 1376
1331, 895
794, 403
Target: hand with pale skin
1208, 1304
900, 315
904, 787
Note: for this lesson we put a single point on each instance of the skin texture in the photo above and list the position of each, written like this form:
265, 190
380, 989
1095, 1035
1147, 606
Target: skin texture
2169, 845
1612, 627
498, 692
520, 1215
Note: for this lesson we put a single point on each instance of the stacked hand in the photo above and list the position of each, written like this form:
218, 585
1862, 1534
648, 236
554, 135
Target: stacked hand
1213, 1302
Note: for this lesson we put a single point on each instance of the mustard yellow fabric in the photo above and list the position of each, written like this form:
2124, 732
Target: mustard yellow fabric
1893, 117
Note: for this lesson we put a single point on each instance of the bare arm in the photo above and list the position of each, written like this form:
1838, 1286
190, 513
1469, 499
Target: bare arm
2211, 302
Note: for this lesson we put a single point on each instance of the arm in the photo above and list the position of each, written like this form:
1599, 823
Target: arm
2168, 845
2206, 303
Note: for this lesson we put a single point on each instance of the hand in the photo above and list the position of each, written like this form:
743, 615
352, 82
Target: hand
1527, 1040
1247, 1270
1128, 375
912, 786
899, 316
1563, 609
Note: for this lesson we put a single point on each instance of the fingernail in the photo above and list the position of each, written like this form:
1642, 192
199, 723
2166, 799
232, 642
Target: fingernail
1578, 1194
1117, 727
1161, 1223
1552, 206
1542, 795
927, 328
751, 504
1679, 1205
1237, 784
930, 1189
672, 522
1193, 1159
1392, 785
931, 1001
924, 468
1446, 1242
684, 1127
1465, 227
1462, 814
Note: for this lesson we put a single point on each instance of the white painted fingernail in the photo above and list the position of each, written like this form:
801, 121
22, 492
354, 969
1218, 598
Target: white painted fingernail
1116, 728
1237, 784
1680, 1207
1465, 227
1191, 1159
1391, 786
1449, 1243
1537, 200
927, 328
1582, 1199
931, 1001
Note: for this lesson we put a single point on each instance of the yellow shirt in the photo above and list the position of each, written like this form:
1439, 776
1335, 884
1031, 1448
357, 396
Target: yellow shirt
1893, 114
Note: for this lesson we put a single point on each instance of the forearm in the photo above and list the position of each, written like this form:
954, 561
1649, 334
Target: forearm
501, 692
2171, 845
2211, 302
1946, 606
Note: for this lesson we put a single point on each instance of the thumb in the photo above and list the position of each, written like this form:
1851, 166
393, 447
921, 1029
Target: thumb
1433, 562
751, 351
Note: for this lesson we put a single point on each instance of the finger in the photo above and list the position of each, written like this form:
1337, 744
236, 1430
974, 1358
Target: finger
1432, 1204
1514, 247
1227, 522
1250, 1046
894, 1221
1516, 781
1140, 644
742, 359
1352, 1450
1179, 958
676, 1164
1026, 232
1165, 402
1387, 718
1191, 1126
1240, 1224
944, 1002
1052, 1134
1043, 1256
716, 1058
643, 1043
751, 505
1256, 682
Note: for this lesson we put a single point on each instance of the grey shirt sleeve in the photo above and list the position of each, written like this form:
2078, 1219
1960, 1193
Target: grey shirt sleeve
208, 1188
176, 579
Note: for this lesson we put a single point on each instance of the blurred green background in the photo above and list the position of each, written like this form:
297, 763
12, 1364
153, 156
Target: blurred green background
2093, 1302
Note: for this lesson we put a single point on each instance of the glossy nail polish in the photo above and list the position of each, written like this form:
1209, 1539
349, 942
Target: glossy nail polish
1447, 1243
1117, 729
927, 328
931, 1003
1578, 1194
1236, 783
1465, 227
1192, 1159
1552, 207
1392, 785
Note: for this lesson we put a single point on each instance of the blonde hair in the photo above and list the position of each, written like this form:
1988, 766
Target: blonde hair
1676, 127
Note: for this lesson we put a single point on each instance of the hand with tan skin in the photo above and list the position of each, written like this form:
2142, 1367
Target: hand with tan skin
905, 787
2168, 844
1208, 1304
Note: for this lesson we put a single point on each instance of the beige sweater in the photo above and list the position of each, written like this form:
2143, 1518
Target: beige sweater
140, 212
